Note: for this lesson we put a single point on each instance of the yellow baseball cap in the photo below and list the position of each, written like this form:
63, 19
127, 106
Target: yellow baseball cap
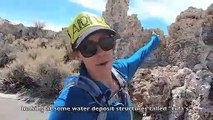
83, 25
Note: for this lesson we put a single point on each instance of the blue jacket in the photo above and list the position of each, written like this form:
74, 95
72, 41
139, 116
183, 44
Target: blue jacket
76, 97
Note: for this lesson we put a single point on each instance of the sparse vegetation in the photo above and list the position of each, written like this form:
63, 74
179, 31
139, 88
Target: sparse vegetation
39, 24
36, 66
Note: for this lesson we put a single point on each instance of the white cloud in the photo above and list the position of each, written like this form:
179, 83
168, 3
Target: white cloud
54, 27
48, 25
166, 10
98, 5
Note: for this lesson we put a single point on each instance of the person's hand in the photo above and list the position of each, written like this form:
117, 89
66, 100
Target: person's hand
154, 33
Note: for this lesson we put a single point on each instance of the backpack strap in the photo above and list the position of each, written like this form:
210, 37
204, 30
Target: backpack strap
124, 91
93, 90
123, 84
120, 79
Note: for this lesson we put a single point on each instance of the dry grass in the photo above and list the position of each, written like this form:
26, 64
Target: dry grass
35, 65
6, 54
40, 71
39, 67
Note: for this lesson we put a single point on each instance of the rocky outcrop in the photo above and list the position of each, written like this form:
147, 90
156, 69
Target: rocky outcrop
210, 10
190, 40
20, 31
116, 16
119, 9
7, 28
173, 93
207, 27
182, 89
133, 36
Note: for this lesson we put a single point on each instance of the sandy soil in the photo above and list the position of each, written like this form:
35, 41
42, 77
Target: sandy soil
13, 109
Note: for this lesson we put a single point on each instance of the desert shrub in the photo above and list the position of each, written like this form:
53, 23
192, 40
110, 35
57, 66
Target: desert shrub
6, 54
39, 67
39, 24
9, 38
50, 80
4, 59
17, 79
24, 45
40, 71
64, 39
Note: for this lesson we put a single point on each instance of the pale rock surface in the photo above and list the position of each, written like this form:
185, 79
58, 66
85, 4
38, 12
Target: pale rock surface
190, 40
188, 98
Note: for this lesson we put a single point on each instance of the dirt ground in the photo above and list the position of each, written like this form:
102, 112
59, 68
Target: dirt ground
13, 109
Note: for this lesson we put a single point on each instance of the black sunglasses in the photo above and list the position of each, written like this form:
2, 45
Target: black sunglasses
89, 48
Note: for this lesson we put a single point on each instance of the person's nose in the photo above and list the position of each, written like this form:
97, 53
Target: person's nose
100, 52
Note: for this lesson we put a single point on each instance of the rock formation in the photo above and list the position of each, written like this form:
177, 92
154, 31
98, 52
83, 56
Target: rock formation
20, 31
183, 89
133, 36
119, 9
170, 93
190, 40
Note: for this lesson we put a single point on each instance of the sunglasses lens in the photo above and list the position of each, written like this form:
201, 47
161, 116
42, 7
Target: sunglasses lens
88, 49
107, 44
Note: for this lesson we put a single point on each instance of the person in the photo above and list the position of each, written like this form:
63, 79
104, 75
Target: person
100, 91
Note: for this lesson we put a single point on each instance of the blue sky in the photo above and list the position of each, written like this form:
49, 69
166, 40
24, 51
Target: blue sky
59, 13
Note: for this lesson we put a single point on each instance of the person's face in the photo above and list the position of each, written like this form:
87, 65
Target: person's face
102, 59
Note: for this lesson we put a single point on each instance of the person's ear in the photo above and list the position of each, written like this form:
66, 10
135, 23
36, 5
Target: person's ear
77, 55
